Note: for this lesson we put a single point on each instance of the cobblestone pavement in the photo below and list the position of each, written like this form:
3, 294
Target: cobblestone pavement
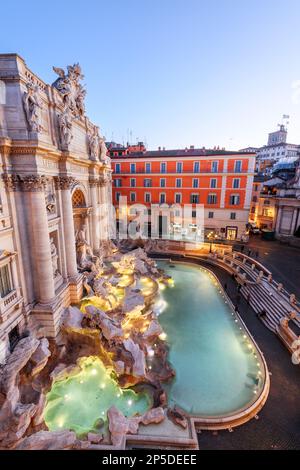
278, 426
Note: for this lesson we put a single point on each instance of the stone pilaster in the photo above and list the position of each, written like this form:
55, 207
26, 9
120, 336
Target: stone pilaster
64, 184
94, 187
35, 185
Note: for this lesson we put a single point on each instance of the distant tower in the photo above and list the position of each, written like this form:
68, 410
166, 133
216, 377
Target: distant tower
278, 137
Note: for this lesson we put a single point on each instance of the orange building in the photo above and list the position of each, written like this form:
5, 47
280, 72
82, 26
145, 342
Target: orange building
218, 179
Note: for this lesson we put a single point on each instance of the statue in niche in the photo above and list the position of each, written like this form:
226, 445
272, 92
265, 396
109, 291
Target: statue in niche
85, 257
93, 140
32, 104
69, 86
50, 202
54, 258
65, 127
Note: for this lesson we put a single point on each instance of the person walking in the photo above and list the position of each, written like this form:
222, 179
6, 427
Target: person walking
248, 298
257, 254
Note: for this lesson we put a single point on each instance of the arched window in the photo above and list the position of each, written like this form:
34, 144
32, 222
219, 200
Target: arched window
78, 199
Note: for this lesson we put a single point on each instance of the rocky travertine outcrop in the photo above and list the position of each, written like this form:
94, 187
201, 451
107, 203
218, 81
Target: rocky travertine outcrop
177, 417
133, 302
98, 319
27, 360
153, 416
72, 318
47, 440
16, 361
40, 357
139, 363
119, 426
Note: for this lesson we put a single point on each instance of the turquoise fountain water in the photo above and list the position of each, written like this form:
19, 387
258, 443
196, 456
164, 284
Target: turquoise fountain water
80, 402
218, 368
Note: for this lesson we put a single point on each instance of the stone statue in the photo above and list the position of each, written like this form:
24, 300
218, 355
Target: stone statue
93, 141
32, 104
65, 127
50, 203
68, 85
103, 151
54, 257
85, 255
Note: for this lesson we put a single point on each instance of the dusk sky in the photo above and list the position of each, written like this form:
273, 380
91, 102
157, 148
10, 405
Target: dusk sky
174, 72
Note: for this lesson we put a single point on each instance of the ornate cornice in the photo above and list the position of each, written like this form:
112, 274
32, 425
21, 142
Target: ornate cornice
33, 183
64, 182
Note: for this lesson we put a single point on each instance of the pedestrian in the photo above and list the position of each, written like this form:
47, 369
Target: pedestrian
262, 314
248, 298
238, 298
236, 309
249, 252
239, 288
242, 248
225, 286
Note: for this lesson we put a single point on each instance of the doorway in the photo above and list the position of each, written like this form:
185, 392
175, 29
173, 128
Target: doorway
231, 233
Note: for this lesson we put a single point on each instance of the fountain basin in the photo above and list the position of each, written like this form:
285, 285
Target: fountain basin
220, 372
80, 402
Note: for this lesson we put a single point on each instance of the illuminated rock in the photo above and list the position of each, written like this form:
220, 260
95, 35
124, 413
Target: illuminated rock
139, 363
133, 302
104, 322
153, 330
72, 318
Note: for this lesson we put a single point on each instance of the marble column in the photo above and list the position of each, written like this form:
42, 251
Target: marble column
44, 281
103, 211
64, 184
94, 187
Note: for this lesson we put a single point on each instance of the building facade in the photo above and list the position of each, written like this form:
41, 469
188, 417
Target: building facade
220, 180
54, 189
277, 149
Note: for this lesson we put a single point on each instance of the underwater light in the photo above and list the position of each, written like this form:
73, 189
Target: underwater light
129, 402
163, 336
94, 372
151, 353
102, 386
60, 422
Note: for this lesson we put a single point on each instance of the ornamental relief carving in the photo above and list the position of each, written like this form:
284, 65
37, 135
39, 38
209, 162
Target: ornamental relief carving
94, 182
65, 182
33, 183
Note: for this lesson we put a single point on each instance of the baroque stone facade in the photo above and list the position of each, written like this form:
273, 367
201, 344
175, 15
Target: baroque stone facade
56, 179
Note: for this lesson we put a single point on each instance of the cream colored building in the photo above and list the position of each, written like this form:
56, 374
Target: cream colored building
55, 183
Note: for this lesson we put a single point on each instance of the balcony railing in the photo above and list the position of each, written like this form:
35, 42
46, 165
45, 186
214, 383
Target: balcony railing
9, 301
